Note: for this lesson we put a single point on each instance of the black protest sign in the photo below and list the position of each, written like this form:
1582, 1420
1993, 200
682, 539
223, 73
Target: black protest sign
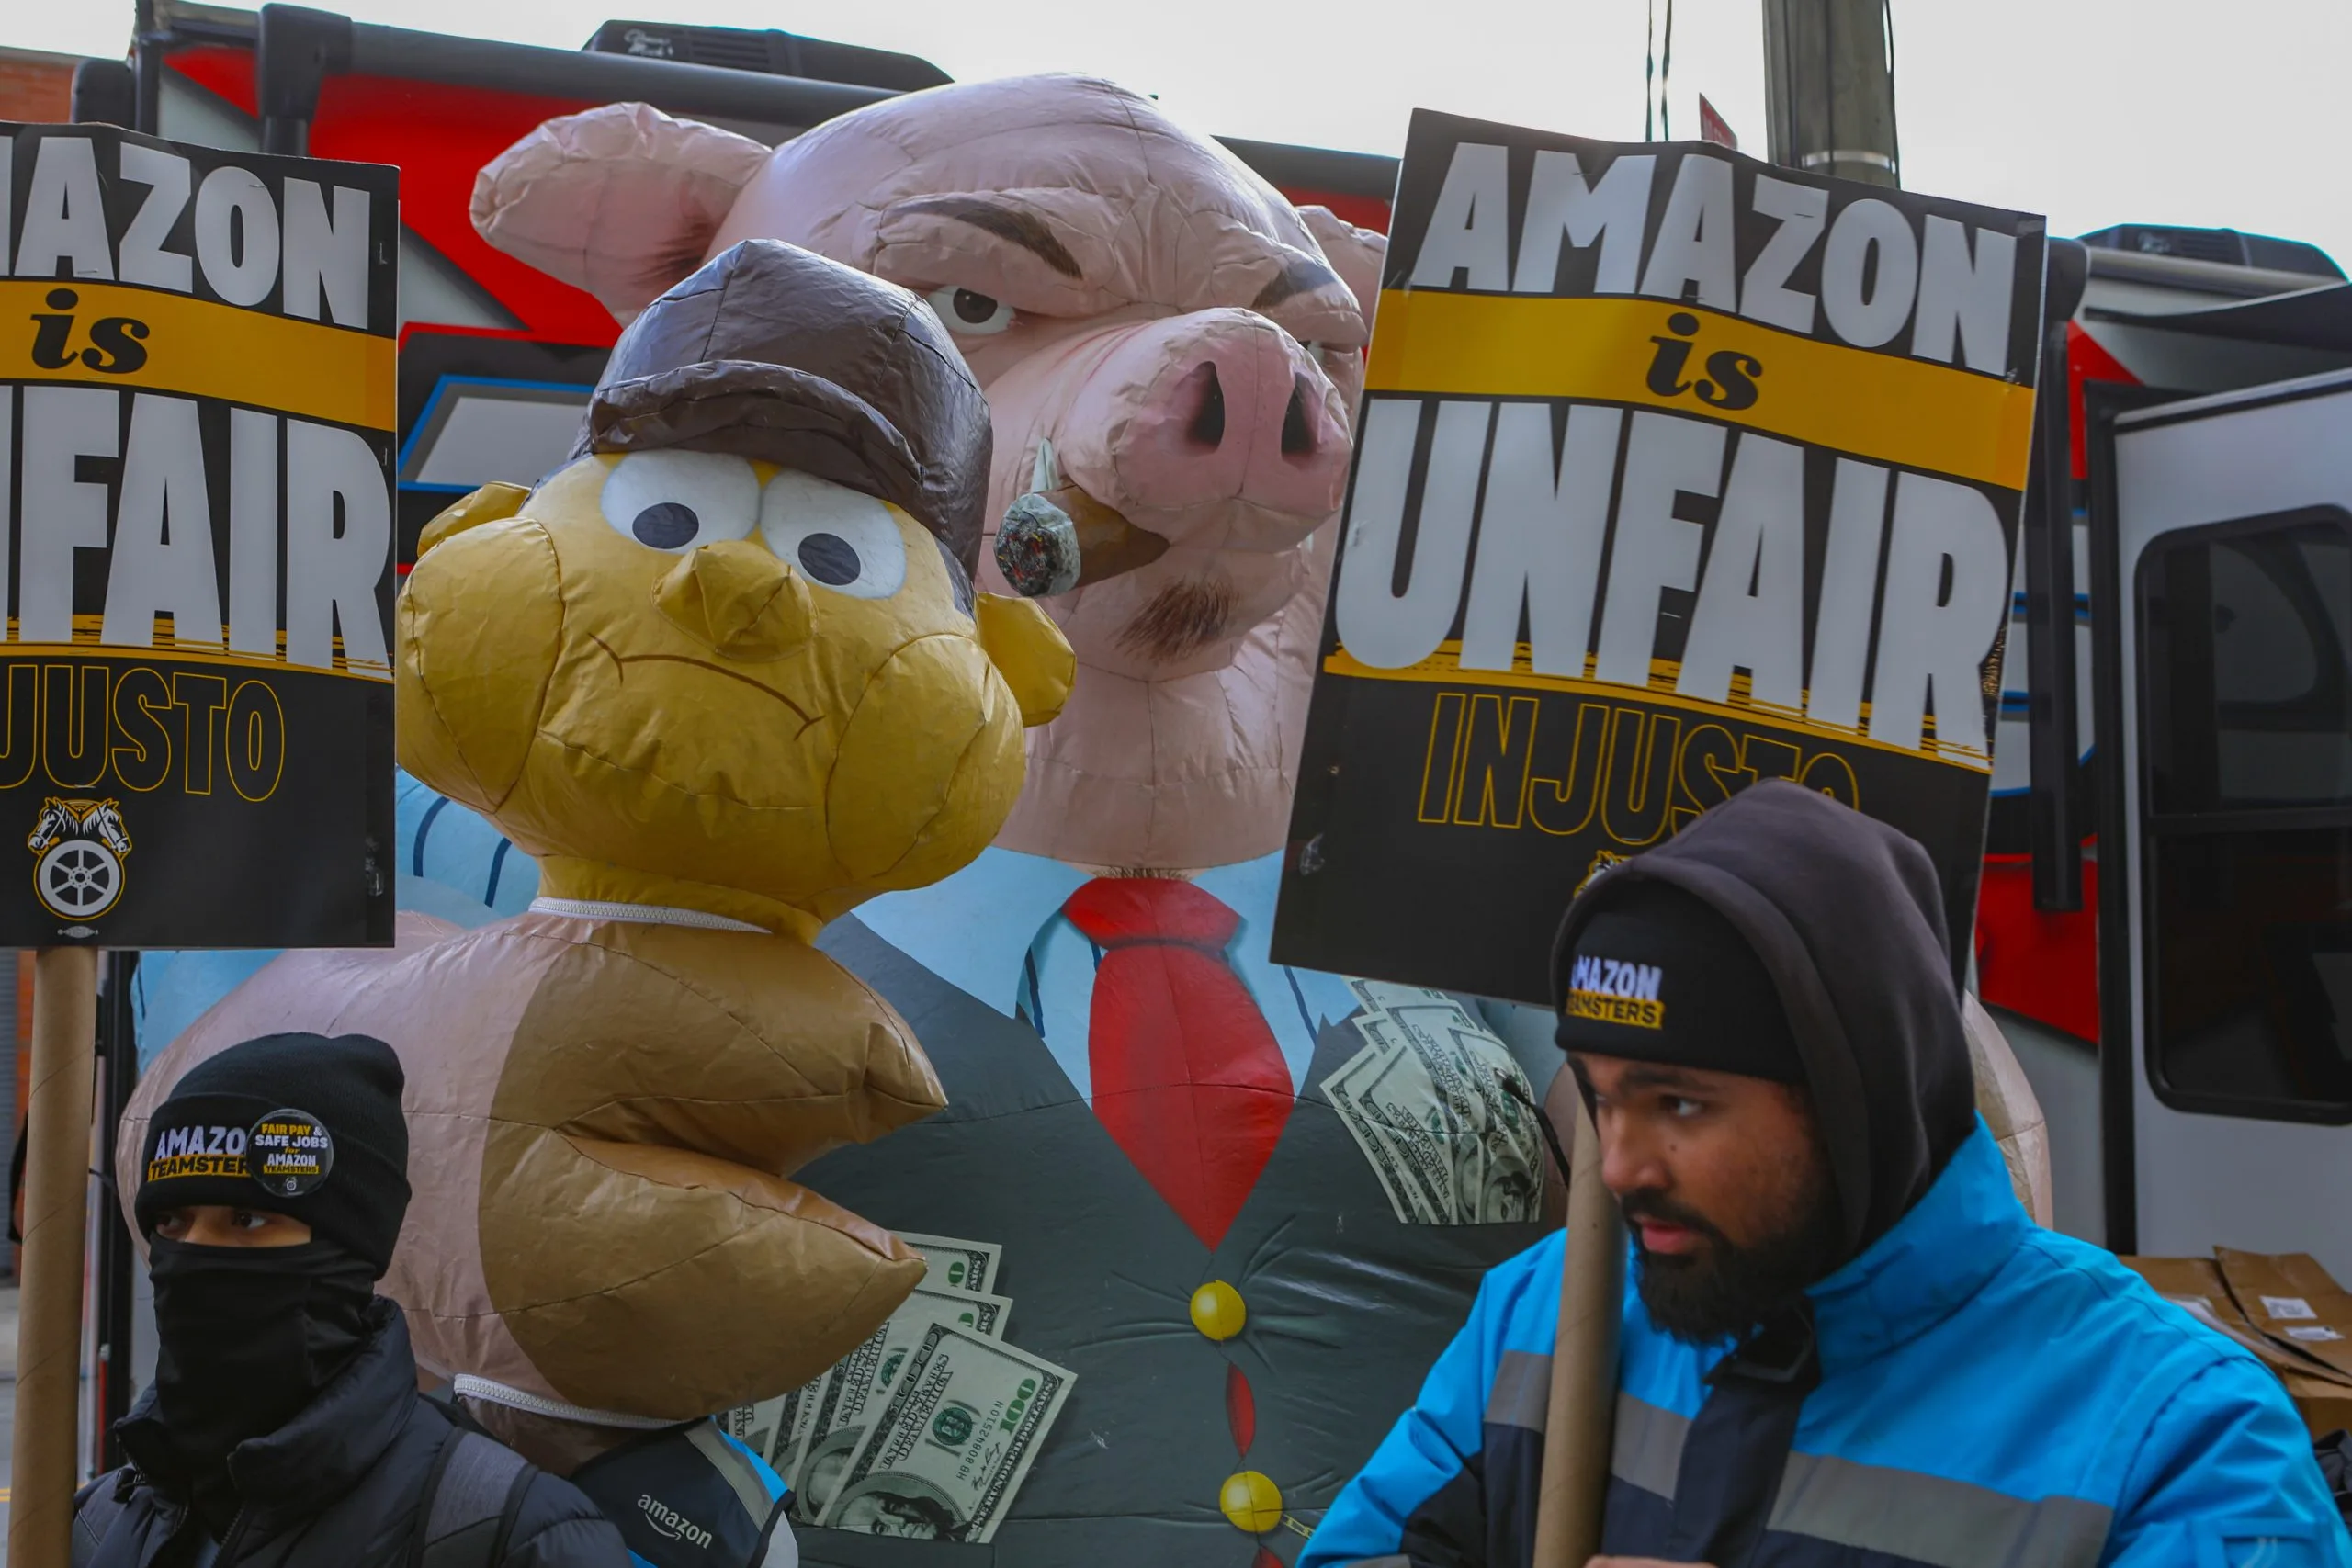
1675, 471
197, 406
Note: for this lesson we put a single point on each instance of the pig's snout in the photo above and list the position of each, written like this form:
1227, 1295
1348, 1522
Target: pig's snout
1231, 408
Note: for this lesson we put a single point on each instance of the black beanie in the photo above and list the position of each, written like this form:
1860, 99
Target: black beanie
1657, 976
295, 1124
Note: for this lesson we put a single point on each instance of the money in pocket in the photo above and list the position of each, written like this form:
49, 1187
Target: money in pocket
952, 1442
958, 1265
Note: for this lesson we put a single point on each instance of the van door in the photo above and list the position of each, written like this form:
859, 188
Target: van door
2231, 539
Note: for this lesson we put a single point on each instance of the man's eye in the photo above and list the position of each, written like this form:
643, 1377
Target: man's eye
971, 313
1681, 1108
247, 1220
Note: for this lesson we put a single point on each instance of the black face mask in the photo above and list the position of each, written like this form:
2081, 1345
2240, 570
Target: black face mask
247, 1337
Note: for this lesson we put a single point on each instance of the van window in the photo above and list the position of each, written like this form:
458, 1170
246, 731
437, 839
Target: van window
2245, 683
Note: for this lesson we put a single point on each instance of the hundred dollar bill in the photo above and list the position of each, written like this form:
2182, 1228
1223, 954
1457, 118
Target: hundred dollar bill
1433, 1091
792, 1427
1381, 999
1497, 1144
1419, 1190
953, 1441
1511, 1163
1428, 1018
956, 1265
775, 1428
860, 1377
1435, 1025
754, 1426
1447, 1103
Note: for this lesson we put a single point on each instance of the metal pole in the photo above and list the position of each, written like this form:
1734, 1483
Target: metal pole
2052, 734
2119, 1035
49, 1329
1829, 88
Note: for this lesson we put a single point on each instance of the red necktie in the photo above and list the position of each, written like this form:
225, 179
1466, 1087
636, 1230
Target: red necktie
1187, 1077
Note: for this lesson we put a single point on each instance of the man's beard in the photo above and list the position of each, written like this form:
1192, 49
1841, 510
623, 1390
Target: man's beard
1722, 1289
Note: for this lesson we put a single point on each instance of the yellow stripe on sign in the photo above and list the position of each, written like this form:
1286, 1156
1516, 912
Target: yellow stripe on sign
208, 351
1904, 412
168, 649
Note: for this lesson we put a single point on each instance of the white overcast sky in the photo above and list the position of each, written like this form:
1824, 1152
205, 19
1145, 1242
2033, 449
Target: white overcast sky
2091, 111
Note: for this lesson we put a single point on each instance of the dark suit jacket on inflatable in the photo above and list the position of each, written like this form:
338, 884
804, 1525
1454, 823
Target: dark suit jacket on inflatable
1346, 1306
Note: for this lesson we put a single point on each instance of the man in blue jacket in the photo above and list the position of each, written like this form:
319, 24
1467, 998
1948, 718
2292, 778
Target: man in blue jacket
1844, 1343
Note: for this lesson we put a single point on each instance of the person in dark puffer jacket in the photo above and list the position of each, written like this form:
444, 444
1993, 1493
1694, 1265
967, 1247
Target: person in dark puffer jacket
284, 1428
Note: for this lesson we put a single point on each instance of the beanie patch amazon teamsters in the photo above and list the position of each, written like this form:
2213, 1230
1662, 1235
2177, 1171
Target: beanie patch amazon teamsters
1657, 976
296, 1124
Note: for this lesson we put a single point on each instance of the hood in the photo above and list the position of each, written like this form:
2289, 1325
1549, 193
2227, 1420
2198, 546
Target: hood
1847, 916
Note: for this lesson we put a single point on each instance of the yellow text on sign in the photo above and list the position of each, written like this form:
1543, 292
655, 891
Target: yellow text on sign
98, 332
91, 724
1903, 411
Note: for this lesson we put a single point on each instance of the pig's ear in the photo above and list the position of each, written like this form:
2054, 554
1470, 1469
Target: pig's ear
1354, 253
620, 201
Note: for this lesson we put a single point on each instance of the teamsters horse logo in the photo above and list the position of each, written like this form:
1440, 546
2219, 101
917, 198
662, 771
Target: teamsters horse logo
81, 844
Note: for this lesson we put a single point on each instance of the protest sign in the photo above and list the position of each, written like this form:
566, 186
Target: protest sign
1675, 470
197, 407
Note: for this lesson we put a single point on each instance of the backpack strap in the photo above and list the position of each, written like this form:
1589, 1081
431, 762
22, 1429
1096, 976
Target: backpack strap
466, 1514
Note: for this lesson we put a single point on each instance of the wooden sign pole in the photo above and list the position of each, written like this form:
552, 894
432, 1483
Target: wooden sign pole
49, 1332
1582, 1414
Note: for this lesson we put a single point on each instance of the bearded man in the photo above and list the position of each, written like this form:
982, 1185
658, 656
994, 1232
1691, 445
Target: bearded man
1844, 1343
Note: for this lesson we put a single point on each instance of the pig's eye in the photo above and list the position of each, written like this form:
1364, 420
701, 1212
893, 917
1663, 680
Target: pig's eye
970, 312
674, 502
1326, 359
838, 538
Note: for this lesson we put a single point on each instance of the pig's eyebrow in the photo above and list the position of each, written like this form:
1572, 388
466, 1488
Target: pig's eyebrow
1010, 223
1301, 277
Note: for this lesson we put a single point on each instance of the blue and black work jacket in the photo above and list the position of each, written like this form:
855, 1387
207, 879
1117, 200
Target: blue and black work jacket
1991, 1395
691, 1496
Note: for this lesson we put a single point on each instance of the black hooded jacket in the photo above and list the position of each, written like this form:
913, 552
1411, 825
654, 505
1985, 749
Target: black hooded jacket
336, 1487
1972, 1389
1847, 916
